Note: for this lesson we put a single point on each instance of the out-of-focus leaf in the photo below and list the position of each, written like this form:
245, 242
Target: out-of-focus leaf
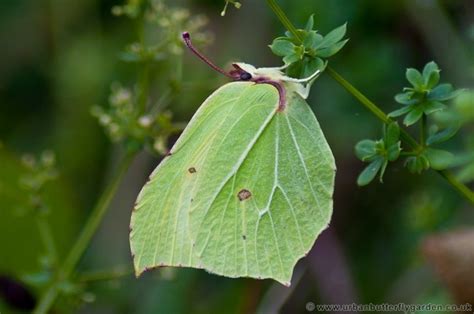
400, 112
439, 159
442, 136
415, 78
370, 172
405, 98
433, 106
331, 50
442, 92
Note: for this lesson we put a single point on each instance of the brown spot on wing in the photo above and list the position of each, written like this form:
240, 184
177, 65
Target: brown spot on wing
244, 194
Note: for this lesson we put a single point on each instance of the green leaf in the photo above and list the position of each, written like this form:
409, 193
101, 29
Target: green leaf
400, 112
406, 98
365, 150
291, 58
393, 151
439, 159
415, 78
312, 39
433, 106
331, 50
392, 134
282, 47
429, 68
333, 37
245, 192
413, 116
310, 24
442, 92
431, 75
370, 172
442, 136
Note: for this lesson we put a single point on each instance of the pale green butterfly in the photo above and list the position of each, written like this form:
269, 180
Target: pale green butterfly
247, 187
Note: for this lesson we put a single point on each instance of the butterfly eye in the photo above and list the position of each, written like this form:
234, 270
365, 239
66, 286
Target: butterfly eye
245, 76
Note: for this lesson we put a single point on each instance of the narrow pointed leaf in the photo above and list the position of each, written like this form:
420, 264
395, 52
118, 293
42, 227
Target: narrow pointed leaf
400, 112
331, 50
406, 98
433, 106
442, 136
442, 92
415, 78
431, 74
413, 116
282, 47
310, 24
333, 37
429, 68
370, 172
392, 134
393, 151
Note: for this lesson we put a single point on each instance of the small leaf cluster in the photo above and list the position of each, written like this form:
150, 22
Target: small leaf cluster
379, 153
425, 97
307, 53
40, 171
462, 115
124, 122
132, 117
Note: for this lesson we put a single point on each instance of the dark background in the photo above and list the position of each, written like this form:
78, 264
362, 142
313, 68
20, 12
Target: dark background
59, 57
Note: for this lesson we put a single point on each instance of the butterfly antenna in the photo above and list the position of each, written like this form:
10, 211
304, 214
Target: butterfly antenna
187, 41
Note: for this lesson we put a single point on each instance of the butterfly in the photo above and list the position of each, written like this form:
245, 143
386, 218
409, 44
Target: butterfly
247, 187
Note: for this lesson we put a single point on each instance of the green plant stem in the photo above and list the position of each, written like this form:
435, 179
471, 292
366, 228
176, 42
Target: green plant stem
47, 238
107, 274
372, 107
382, 116
461, 188
284, 19
82, 242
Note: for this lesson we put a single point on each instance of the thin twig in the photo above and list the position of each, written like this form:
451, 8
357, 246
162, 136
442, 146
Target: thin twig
81, 244
107, 274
